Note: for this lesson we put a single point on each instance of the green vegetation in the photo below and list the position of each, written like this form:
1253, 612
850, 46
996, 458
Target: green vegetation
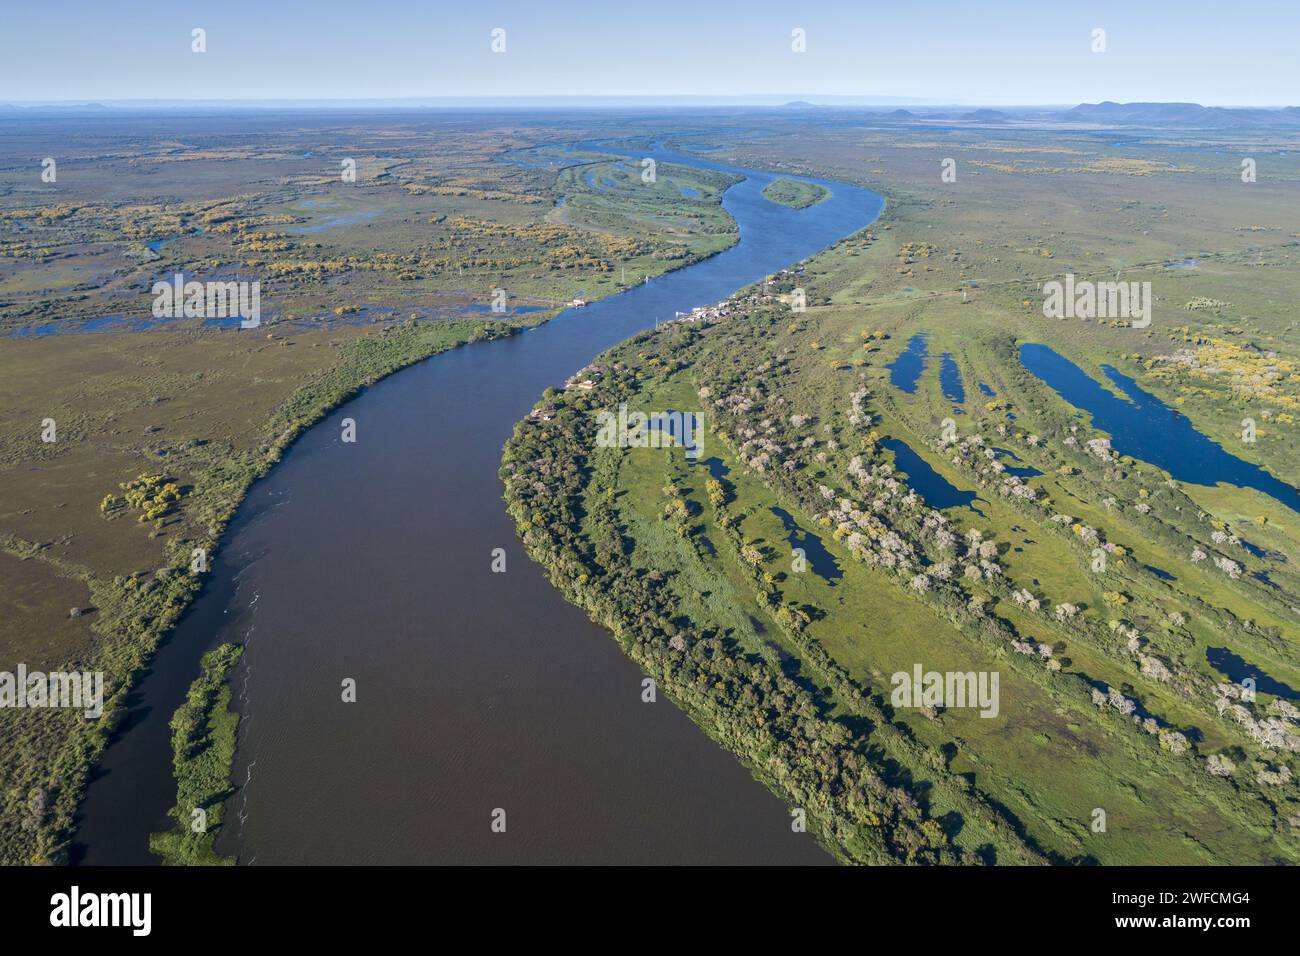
203, 749
788, 737
795, 193
425, 233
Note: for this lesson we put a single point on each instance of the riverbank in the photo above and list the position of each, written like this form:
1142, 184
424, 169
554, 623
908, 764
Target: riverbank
139, 613
772, 709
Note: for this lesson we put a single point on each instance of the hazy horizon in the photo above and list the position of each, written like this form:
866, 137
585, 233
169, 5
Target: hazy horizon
596, 101
991, 55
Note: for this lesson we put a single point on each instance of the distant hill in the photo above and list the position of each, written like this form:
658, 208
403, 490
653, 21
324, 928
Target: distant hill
62, 109
1149, 115
987, 116
894, 116
1180, 114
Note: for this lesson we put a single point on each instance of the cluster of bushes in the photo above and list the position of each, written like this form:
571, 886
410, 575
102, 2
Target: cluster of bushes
152, 495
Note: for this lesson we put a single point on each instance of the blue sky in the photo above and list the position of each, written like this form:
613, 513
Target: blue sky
977, 51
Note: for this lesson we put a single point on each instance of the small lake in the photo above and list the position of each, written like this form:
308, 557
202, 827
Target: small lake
157, 244
1020, 470
905, 371
717, 467
937, 490
1145, 427
334, 222
820, 561
605, 184
1238, 669
677, 428
950, 379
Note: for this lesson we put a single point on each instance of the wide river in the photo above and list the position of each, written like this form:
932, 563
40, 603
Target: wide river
475, 690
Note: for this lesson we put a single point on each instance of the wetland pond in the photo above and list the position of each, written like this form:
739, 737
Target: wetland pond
1145, 427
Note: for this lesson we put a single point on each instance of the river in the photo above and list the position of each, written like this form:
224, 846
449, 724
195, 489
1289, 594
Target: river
475, 690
